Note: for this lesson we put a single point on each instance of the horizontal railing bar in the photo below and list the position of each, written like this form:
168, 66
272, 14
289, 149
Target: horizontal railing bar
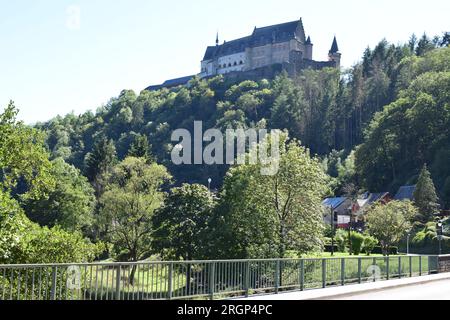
124, 264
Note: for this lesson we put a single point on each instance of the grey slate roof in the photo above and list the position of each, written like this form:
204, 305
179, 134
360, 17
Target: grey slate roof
334, 46
374, 197
171, 83
260, 37
405, 193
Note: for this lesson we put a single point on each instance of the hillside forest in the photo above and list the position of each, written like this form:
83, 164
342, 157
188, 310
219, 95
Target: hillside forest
103, 182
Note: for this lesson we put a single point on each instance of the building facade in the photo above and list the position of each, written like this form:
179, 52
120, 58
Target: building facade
284, 43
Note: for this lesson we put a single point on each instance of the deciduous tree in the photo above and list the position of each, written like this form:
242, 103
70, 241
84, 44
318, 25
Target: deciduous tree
132, 194
265, 216
183, 225
390, 222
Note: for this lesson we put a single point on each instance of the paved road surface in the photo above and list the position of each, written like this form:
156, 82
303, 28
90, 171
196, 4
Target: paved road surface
439, 290
429, 287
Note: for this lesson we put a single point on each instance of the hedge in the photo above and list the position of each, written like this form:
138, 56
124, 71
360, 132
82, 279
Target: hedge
376, 250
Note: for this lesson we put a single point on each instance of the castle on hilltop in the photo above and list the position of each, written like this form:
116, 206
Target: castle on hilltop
264, 53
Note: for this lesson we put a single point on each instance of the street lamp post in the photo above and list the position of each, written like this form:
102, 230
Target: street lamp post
439, 234
209, 184
407, 243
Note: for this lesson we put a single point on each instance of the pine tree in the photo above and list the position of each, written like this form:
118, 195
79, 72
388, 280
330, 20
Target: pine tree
140, 148
424, 45
425, 197
102, 157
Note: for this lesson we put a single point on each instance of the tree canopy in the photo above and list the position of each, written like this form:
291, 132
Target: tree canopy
390, 222
267, 215
132, 195
425, 197
70, 205
184, 226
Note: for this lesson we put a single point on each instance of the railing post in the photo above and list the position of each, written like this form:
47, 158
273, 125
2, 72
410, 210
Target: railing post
359, 270
247, 278
410, 267
302, 275
438, 267
54, 279
399, 267
324, 273
387, 268
277, 276
343, 271
420, 265
374, 263
429, 265
118, 275
169, 287
212, 280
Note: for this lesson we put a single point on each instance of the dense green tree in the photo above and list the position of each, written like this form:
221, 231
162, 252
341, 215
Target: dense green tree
390, 222
445, 40
140, 148
266, 215
424, 45
23, 157
71, 203
389, 157
132, 194
425, 197
183, 225
288, 111
24, 242
98, 163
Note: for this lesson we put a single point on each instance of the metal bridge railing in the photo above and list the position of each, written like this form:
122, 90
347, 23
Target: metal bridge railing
199, 279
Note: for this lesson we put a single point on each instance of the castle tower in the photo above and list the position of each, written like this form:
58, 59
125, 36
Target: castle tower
308, 49
334, 54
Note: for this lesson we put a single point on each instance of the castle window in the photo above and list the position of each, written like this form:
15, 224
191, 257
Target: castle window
240, 62
235, 63
229, 64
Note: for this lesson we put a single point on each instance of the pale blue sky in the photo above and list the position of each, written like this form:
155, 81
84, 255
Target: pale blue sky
49, 65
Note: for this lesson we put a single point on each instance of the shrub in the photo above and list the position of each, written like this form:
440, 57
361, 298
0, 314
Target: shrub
25, 242
341, 240
369, 244
357, 240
